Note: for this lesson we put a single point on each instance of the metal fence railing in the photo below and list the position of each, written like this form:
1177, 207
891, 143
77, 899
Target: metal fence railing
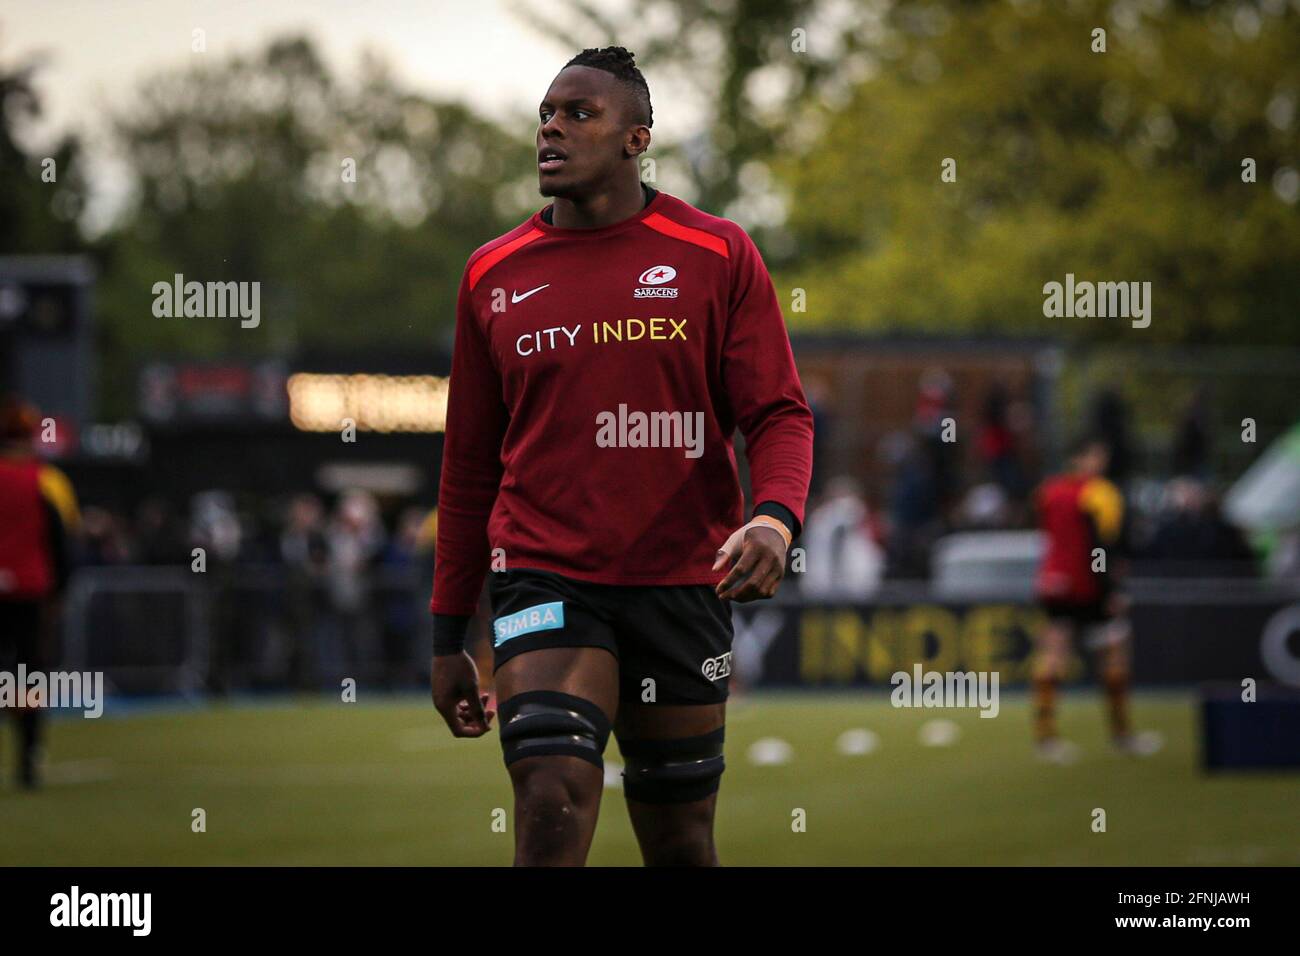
251, 627
166, 630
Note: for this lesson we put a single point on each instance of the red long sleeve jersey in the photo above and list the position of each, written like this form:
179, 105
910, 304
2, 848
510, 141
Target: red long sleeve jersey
1077, 514
597, 378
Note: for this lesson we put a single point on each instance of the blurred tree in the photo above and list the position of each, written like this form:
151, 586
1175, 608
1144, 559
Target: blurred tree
826, 125
754, 68
41, 195
354, 205
1122, 165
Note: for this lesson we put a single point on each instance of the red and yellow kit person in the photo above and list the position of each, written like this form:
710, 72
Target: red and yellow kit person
38, 513
1081, 515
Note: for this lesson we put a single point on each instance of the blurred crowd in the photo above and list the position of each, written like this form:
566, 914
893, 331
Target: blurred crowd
935, 485
300, 592
306, 591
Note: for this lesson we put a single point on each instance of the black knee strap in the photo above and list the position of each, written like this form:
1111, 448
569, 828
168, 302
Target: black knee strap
542, 722
673, 771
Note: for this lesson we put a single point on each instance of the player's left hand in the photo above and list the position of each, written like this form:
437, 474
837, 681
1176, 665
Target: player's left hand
758, 570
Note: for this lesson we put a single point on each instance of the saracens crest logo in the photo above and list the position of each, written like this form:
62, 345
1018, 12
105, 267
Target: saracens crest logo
652, 283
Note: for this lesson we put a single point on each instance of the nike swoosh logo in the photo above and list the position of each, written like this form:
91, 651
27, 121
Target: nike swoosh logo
516, 297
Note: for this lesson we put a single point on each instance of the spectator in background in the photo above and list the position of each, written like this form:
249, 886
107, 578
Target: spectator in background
985, 506
404, 608
925, 477
355, 538
997, 445
844, 559
304, 552
916, 520
215, 528
1192, 539
934, 408
1192, 442
159, 537
1110, 423
104, 538
818, 392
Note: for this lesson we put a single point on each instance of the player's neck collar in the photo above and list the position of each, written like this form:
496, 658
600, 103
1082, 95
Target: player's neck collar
548, 214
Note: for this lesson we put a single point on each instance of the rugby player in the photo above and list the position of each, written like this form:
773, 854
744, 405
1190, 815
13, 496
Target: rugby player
1081, 515
606, 351
38, 513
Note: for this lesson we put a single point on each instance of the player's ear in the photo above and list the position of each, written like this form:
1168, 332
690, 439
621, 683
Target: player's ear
637, 141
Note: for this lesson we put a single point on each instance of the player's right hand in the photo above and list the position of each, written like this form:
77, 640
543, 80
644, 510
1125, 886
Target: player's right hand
454, 680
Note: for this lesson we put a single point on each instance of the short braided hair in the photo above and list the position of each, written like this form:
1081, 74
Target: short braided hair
621, 63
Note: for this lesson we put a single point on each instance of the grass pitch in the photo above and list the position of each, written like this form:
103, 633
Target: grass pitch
320, 783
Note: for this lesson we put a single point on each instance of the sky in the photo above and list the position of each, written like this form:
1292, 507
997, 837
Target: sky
97, 51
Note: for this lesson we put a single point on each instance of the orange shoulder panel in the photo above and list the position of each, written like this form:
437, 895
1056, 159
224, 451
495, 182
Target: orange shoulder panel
661, 223
489, 259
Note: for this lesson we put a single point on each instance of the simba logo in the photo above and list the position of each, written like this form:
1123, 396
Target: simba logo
716, 668
540, 617
75, 909
652, 283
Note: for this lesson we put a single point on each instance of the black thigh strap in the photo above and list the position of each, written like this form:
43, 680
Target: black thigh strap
545, 722
673, 771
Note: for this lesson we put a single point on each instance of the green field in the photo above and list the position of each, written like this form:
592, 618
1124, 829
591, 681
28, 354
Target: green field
321, 783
